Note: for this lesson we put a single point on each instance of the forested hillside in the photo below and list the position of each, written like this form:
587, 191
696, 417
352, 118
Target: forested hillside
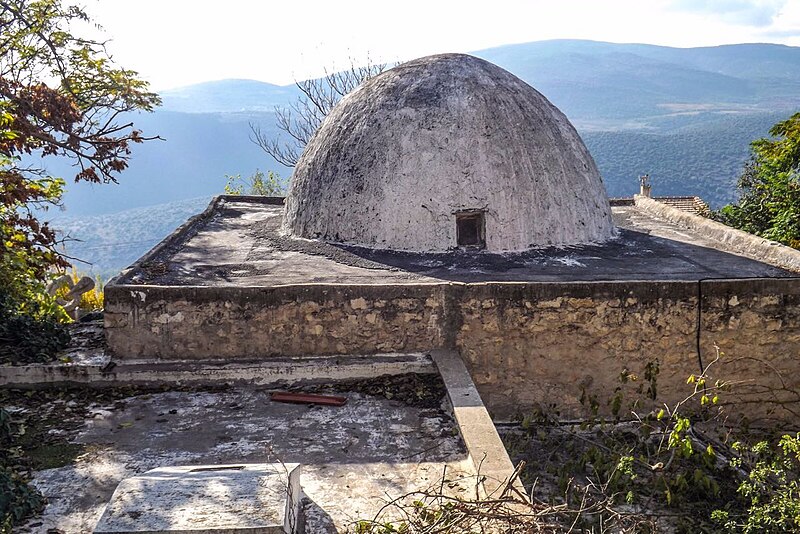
703, 160
113, 241
684, 116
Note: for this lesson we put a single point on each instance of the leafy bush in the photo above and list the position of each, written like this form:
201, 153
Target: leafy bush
25, 339
769, 495
32, 325
269, 185
770, 187
18, 499
683, 466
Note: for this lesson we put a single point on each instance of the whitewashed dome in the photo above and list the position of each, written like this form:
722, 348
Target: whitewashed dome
443, 152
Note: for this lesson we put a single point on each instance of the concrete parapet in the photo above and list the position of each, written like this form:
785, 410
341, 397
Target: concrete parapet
275, 371
728, 238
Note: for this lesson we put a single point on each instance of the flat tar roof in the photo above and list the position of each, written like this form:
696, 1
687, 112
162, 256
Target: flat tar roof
237, 243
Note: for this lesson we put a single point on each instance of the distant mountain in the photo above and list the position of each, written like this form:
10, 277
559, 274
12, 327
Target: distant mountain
752, 61
589, 80
684, 115
227, 96
604, 85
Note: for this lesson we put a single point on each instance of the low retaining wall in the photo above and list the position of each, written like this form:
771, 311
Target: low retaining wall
543, 346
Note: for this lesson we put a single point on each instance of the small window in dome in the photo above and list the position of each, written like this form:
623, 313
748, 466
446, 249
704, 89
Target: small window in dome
470, 229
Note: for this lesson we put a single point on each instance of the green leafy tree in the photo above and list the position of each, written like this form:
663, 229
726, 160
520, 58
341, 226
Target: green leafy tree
769, 205
61, 94
268, 185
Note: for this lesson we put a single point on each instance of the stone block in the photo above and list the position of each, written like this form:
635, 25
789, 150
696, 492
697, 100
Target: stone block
246, 498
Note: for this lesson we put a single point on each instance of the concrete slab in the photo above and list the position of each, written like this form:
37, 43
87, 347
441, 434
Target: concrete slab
207, 499
238, 243
354, 457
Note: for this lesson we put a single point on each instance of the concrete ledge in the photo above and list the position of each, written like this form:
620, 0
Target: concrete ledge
484, 446
180, 234
268, 372
137, 297
728, 239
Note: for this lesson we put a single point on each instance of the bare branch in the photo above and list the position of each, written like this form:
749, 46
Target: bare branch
303, 117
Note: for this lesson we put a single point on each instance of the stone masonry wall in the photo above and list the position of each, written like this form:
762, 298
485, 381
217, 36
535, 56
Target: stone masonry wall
223, 323
756, 326
539, 348
542, 348
529, 347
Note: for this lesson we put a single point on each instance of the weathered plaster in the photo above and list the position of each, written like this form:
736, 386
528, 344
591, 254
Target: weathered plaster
397, 158
207, 499
368, 450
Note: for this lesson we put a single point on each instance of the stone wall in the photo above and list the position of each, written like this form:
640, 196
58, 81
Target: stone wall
529, 347
545, 347
755, 324
251, 323
542, 347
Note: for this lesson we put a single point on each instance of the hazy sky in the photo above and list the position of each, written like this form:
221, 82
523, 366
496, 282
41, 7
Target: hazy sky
179, 42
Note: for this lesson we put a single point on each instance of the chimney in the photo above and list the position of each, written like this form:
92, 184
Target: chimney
644, 185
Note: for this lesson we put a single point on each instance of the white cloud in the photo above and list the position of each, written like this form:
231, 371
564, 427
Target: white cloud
786, 27
740, 12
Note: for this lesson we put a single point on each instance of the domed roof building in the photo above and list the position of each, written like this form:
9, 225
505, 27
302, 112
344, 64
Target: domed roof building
445, 152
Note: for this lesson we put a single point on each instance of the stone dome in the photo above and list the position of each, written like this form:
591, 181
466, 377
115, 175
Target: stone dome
444, 152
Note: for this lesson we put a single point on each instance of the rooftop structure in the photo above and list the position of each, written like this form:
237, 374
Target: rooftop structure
237, 243
443, 152
446, 205
446, 219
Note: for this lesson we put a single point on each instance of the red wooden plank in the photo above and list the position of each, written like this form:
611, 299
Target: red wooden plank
307, 398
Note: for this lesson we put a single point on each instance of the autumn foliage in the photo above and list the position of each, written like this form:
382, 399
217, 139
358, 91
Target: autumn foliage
60, 95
